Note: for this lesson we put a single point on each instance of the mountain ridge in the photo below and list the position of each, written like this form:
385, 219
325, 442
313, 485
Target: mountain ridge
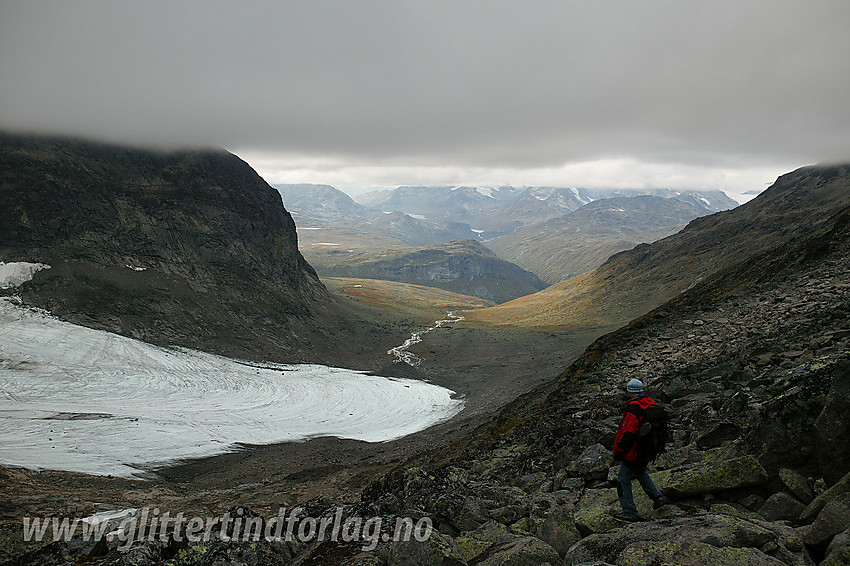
579, 241
616, 292
190, 247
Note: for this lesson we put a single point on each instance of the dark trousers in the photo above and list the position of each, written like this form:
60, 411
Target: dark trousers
634, 471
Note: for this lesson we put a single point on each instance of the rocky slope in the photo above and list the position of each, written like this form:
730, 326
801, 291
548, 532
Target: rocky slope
582, 240
755, 366
465, 267
189, 248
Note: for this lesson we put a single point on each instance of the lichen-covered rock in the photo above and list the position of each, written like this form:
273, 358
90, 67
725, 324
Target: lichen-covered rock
437, 550
593, 514
474, 543
733, 509
814, 508
719, 531
527, 551
465, 513
797, 484
781, 507
838, 552
718, 434
509, 514
563, 482
415, 479
530, 483
363, 559
696, 553
833, 519
713, 477
558, 528
494, 495
832, 427
592, 463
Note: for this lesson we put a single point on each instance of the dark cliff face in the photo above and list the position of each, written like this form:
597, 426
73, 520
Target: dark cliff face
170, 247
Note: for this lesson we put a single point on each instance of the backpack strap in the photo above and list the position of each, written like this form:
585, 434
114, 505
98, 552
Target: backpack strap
635, 409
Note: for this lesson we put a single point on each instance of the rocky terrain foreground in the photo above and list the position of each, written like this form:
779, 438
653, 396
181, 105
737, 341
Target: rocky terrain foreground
754, 363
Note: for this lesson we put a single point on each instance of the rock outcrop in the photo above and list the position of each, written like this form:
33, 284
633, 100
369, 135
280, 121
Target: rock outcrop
190, 248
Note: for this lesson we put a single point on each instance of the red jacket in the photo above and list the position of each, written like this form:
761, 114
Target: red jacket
625, 443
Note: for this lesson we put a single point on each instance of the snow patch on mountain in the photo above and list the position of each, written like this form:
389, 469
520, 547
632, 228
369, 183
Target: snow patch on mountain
15, 273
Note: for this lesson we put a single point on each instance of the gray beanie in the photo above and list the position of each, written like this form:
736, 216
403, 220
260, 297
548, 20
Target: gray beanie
634, 386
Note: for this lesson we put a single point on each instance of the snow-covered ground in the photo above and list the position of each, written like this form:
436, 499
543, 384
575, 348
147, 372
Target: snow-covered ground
73, 398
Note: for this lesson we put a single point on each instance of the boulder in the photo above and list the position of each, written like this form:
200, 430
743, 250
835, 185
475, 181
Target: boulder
474, 543
797, 485
511, 513
495, 495
685, 552
525, 551
564, 482
592, 464
593, 514
712, 477
719, 531
781, 507
833, 519
558, 528
531, 482
832, 428
838, 553
718, 434
437, 550
814, 508
464, 513
364, 559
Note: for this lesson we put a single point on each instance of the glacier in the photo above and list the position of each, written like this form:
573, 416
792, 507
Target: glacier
84, 400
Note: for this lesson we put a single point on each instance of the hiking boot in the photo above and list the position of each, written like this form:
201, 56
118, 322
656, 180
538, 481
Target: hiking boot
621, 516
660, 502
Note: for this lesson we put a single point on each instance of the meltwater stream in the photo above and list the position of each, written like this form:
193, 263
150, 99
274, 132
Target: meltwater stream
73, 398
400, 352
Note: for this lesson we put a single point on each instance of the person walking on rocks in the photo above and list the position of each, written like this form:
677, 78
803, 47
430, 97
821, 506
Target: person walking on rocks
632, 462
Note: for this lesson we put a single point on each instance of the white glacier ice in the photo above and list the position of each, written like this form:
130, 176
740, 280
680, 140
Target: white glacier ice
84, 400
15, 273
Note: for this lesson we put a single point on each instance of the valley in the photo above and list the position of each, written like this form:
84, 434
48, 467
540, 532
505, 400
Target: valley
181, 293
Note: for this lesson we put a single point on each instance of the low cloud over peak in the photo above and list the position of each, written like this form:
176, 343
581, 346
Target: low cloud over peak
528, 86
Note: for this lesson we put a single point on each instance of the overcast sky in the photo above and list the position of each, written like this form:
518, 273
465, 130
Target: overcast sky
718, 94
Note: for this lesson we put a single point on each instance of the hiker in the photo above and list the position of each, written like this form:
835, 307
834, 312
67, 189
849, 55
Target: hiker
633, 459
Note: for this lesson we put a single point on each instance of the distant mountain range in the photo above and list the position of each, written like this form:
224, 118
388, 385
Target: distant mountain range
498, 211
581, 240
555, 232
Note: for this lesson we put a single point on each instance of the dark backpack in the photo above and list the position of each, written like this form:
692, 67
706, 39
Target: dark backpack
653, 432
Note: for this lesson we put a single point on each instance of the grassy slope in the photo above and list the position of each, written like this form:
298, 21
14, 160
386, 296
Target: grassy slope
422, 303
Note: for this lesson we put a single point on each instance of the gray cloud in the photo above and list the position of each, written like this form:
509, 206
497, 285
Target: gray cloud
463, 84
